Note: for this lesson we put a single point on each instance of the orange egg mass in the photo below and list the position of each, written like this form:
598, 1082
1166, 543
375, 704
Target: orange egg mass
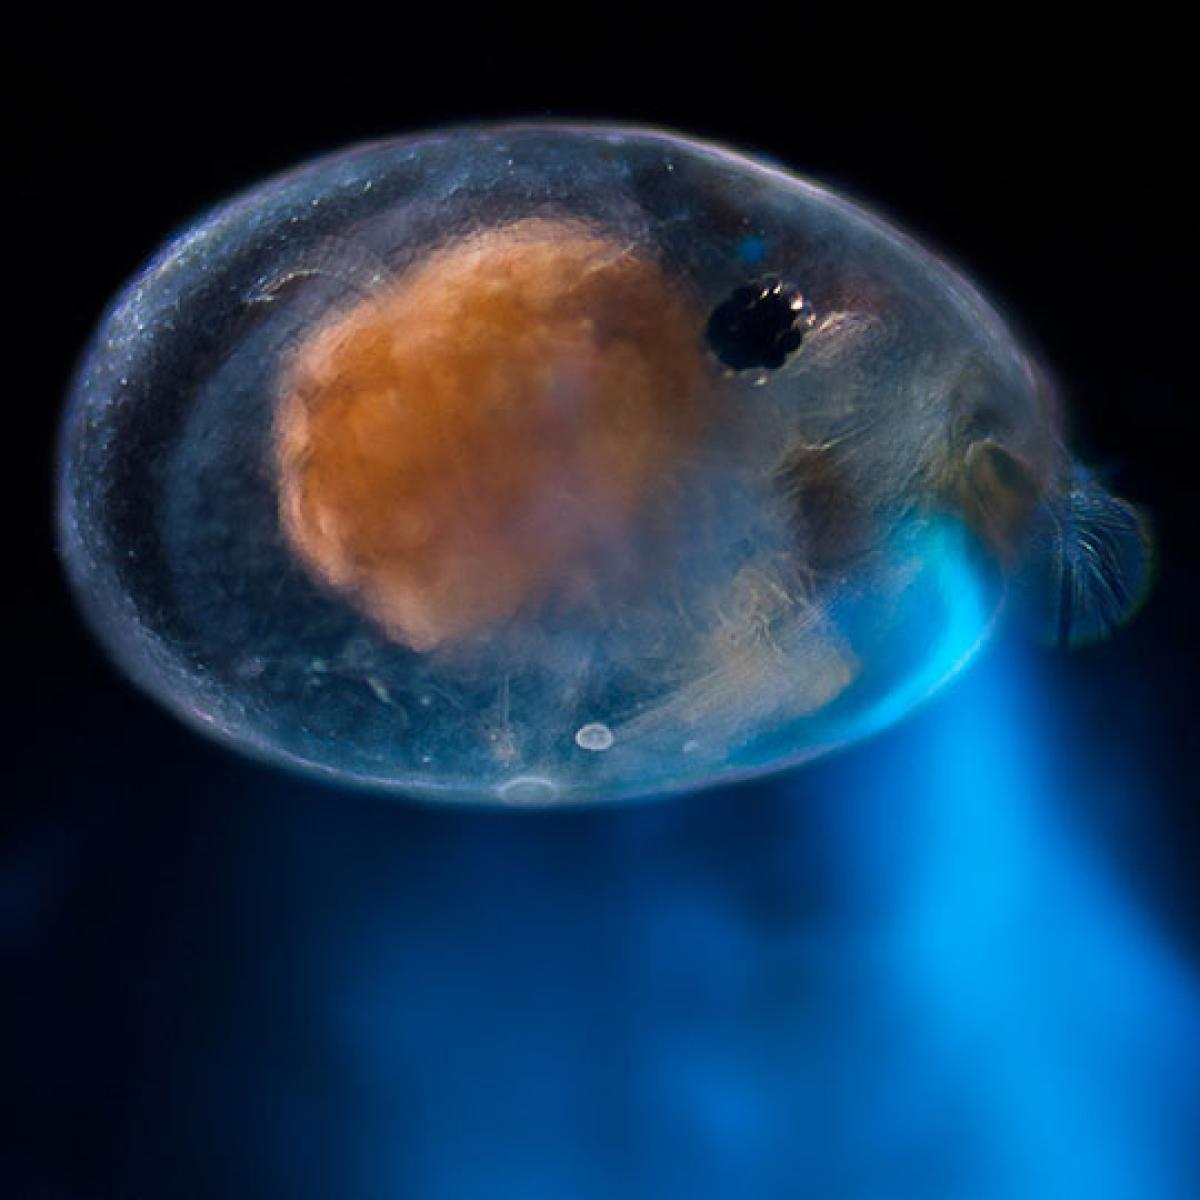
497, 429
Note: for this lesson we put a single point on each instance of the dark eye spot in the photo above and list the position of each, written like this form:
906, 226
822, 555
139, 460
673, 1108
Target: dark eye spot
759, 325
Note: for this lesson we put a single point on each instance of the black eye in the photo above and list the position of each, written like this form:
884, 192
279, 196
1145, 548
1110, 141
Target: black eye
759, 325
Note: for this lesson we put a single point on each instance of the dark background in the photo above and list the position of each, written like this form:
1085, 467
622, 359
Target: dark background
220, 981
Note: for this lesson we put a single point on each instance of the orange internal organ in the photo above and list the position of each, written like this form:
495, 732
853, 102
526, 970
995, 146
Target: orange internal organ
488, 432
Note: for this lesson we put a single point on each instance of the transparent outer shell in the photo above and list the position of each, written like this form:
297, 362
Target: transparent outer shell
825, 567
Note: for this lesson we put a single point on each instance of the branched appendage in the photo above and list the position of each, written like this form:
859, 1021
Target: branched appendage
1090, 563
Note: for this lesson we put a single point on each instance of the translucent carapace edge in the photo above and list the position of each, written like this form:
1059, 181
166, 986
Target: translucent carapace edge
551, 463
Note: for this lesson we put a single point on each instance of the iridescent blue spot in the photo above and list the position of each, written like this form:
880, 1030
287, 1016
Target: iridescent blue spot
752, 249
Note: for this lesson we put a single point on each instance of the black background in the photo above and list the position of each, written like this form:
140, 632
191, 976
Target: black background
1060, 185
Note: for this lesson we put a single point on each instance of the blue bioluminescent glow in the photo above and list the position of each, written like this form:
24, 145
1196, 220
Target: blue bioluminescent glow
1040, 981
902, 974
918, 970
